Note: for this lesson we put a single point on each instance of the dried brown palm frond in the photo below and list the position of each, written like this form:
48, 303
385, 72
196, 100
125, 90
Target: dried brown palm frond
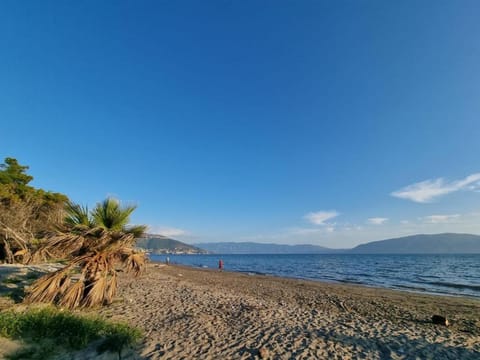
136, 263
94, 243
97, 265
24, 256
47, 288
73, 295
97, 279
61, 244
111, 289
96, 293
120, 238
64, 285
40, 255
58, 246
22, 252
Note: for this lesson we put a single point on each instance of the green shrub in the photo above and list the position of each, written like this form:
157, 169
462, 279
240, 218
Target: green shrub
66, 330
119, 336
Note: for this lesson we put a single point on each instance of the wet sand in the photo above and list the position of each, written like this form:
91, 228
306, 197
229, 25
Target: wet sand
189, 313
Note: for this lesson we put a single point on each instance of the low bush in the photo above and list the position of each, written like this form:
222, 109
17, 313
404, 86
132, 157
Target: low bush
66, 330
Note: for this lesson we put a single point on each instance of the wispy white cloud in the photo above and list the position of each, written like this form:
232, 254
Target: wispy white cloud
167, 231
428, 190
439, 219
377, 220
336, 234
320, 217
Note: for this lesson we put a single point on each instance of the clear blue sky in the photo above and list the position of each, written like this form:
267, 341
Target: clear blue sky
324, 122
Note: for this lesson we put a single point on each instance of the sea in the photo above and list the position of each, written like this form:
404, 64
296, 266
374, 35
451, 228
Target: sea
456, 275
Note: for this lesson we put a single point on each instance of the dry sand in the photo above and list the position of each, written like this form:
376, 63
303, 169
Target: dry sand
191, 313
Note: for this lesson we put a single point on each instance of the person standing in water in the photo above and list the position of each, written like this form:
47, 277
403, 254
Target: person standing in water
220, 264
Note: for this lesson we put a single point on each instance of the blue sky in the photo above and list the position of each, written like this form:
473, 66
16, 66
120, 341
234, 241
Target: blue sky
332, 123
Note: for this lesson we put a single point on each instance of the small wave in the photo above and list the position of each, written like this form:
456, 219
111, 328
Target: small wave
351, 281
455, 286
417, 288
252, 272
365, 275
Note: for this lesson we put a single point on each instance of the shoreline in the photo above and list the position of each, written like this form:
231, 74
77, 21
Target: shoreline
397, 287
327, 281
188, 312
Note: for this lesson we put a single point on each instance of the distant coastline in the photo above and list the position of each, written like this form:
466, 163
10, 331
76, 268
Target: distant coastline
159, 244
446, 243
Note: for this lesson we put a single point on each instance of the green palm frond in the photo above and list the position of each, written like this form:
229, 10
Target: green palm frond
77, 215
110, 215
136, 230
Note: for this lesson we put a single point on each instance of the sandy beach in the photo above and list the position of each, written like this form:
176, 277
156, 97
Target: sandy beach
189, 313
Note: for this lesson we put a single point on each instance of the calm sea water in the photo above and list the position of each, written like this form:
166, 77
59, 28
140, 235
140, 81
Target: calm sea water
437, 274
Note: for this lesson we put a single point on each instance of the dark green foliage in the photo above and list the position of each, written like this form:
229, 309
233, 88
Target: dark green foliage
11, 172
66, 330
14, 185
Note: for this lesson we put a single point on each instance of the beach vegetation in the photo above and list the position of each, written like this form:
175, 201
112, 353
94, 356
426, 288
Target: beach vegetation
48, 330
26, 213
97, 244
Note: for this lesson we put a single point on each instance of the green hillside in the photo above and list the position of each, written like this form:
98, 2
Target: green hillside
158, 244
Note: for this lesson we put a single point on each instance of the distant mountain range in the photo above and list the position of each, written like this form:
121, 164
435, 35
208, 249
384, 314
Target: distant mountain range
447, 243
423, 244
159, 244
260, 248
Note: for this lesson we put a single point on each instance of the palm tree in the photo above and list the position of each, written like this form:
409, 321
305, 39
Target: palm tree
95, 243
